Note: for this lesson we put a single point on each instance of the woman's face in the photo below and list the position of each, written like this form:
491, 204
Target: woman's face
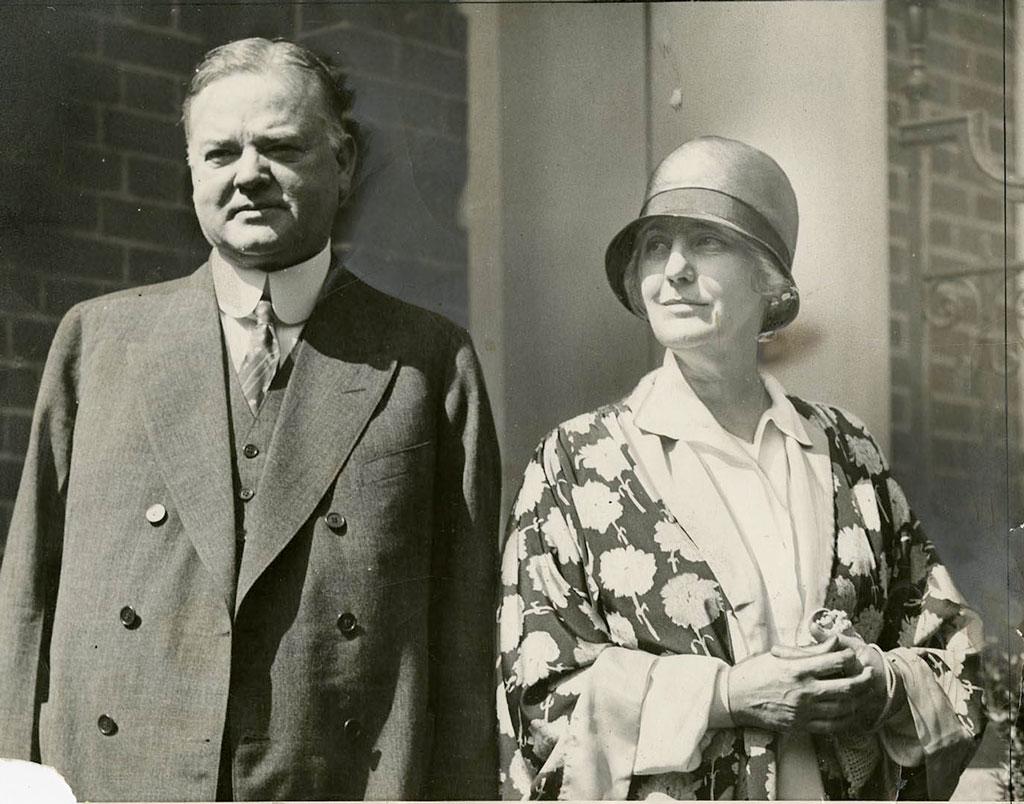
699, 283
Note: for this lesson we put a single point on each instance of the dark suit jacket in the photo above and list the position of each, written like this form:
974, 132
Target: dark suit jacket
384, 422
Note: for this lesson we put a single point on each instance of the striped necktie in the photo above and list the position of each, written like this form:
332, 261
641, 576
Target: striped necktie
260, 363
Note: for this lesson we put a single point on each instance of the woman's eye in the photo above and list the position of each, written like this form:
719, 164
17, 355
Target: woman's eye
709, 242
656, 246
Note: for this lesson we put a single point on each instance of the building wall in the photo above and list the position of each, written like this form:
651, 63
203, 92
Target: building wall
805, 82
956, 419
95, 195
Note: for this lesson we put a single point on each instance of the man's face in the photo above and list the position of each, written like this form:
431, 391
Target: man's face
266, 180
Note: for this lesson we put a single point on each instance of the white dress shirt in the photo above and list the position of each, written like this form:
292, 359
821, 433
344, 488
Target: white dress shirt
293, 294
768, 508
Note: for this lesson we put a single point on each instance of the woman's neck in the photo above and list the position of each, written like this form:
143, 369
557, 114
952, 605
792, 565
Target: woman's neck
730, 387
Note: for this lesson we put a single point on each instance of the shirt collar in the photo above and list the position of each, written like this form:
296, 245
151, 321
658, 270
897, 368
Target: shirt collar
293, 290
665, 405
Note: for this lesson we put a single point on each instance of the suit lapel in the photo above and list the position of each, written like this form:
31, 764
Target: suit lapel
342, 369
185, 411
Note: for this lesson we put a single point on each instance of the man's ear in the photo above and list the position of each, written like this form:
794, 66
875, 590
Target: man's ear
346, 154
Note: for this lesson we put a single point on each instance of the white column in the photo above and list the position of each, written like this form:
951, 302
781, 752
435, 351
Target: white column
805, 82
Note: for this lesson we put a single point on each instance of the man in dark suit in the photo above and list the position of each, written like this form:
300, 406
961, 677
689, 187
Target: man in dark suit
253, 551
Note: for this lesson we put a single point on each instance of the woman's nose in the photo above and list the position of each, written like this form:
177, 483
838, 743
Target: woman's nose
678, 268
249, 169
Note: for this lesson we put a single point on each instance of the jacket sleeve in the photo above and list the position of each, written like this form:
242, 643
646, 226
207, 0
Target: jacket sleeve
32, 554
931, 636
468, 478
938, 657
582, 710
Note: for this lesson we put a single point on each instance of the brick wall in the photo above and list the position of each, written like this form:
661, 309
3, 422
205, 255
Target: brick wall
96, 195
954, 446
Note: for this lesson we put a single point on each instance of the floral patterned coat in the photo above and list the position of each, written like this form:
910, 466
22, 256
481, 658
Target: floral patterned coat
593, 561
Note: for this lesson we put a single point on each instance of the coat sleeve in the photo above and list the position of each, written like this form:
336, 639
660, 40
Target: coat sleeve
582, 710
937, 654
468, 478
931, 636
32, 553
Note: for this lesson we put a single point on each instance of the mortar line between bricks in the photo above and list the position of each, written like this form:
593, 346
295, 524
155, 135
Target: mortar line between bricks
391, 36
108, 20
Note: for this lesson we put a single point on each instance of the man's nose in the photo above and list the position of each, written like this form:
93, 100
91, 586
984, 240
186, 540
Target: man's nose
250, 168
678, 268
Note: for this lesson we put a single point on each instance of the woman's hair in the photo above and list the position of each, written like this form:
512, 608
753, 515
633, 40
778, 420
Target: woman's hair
769, 279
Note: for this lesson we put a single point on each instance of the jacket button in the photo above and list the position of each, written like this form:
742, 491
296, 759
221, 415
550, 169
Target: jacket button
347, 624
353, 728
245, 494
250, 450
156, 514
129, 619
106, 725
336, 522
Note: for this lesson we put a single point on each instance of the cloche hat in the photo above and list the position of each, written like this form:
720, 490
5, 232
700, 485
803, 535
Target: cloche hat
726, 182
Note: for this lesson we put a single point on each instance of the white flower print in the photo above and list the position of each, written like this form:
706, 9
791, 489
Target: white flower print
514, 552
532, 490
580, 425
536, 653
626, 571
854, 550
672, 540
547, 580
865, 453
867, 504
546, 734
597, 505
900, 506
604, 457
504, 718
510, 622
869, 624
591, 614
558, 533
519, 773
690, 601
586, 653
621, 630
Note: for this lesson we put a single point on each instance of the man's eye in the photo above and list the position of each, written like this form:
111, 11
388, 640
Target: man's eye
284, 151
219, 156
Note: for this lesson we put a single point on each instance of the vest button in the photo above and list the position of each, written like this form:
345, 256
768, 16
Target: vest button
129, 618
336, 522
348, 624
250, 450
106, 725
156, 514
245, 494
353, 728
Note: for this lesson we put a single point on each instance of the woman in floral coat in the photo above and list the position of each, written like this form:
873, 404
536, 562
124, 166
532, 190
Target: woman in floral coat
668, 554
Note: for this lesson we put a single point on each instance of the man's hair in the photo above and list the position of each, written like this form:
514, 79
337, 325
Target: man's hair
769, 279
259, 56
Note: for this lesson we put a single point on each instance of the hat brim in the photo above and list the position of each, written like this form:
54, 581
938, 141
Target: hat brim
620, 251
